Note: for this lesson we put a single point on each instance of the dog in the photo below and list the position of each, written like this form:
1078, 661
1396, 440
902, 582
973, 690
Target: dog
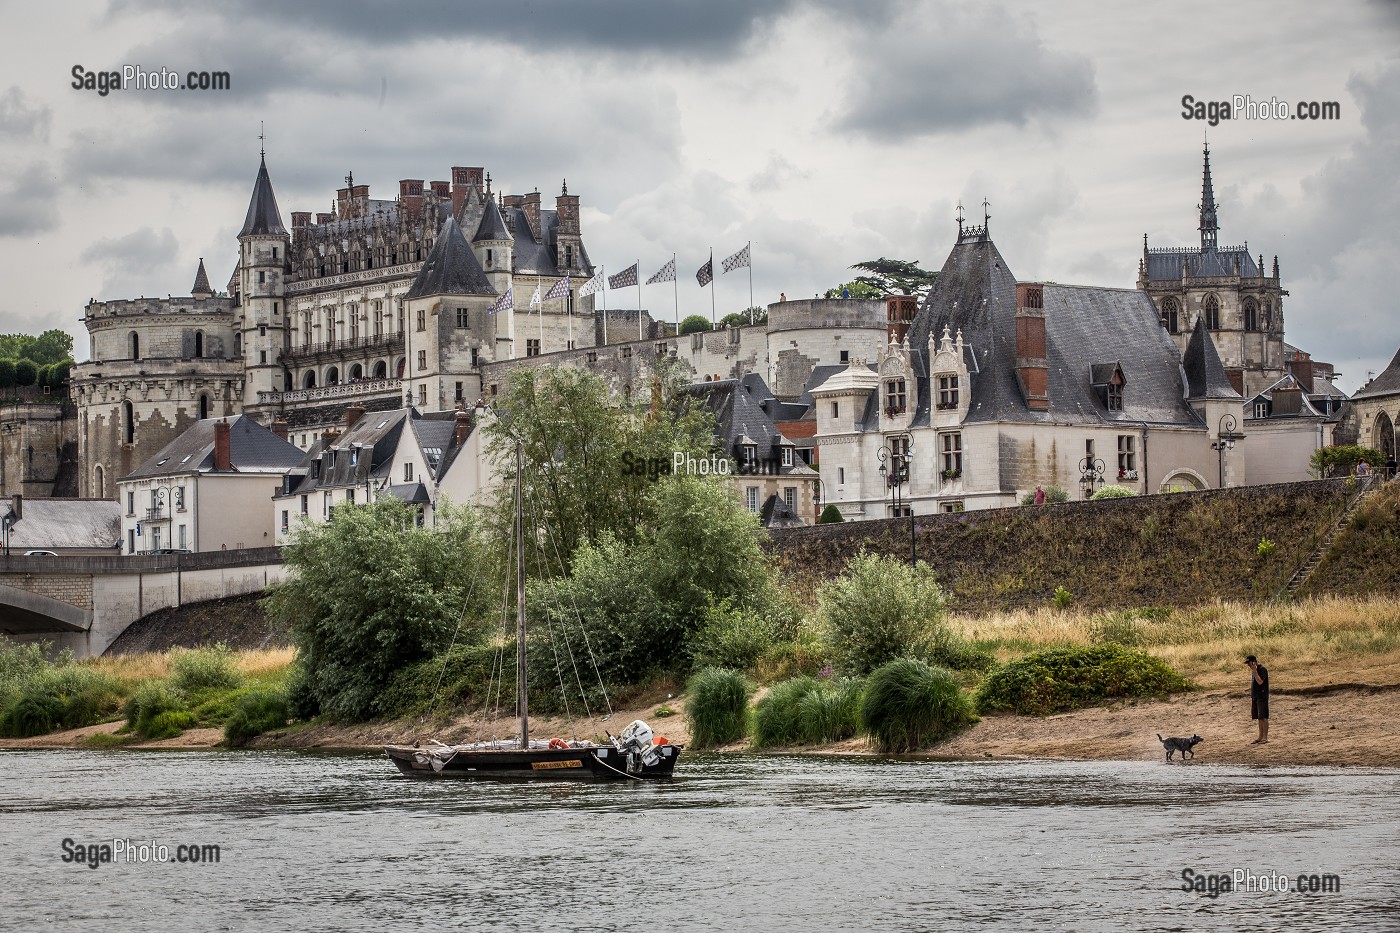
1185, 746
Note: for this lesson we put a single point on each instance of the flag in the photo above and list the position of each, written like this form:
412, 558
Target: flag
504, 303
667, 273
535, 301
738, 261
591, 286
706, 275
624, 278
558, 290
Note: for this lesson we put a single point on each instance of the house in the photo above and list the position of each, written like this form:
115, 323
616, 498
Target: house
417, 458
66, 527
1373, 412
207, 490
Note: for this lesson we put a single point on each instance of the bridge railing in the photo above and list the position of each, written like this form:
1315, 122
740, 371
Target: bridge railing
141, 563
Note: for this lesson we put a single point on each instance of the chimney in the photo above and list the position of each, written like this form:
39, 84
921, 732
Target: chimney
463, 422
411, 195
441, 190
323, 218
899, 315
531, 205
329, 437
353, 414
463, 180
342, 203
1032, 368
1287, 401
1301, 367
300, 219
223, 446
566, 205
279, 427
17, 505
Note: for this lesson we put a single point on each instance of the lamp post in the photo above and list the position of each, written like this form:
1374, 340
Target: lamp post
895, 458
1090, 475
820, 497
1225, 440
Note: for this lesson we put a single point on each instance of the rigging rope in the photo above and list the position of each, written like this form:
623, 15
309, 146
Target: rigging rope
568, 645
549, 625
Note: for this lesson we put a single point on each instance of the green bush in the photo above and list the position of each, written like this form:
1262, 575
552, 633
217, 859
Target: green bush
718, 707
830, 515
199, 669
1112, 491
31, 713
300, 696
256, 712
1062, 598
1342, 459
1053, 495
909, 705
150, 701
733, 637
880, 609
458, 680
1265, 548
167, 724
807, 711
212, 708
63, 694
1067, 678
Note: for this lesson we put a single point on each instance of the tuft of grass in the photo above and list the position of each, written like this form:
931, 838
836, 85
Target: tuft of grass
718, 708
150, 702
193, 670
30, 713
168, 724
1068, 678
254, 713
807, 711
909, 705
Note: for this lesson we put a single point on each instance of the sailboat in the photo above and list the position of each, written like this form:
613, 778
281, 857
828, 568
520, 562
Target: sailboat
637, 754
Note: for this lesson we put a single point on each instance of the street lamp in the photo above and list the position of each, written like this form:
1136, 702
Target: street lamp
820, 497
1225, 440
1090, 475
895, 458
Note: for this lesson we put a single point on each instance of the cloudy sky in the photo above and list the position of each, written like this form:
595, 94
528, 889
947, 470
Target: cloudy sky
826, 132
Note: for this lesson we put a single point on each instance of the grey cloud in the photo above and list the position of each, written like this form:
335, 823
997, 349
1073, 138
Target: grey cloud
28, 204
139, 263
20, 119
953, 67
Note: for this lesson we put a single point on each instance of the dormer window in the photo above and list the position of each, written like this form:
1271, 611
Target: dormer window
750, 454
787, 456
895, 396
948, 392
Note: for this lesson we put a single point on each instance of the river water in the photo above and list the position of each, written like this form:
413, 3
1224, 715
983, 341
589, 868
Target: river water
738, 842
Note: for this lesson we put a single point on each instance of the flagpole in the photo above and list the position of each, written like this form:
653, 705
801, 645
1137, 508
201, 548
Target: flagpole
602, 270
676, 288
639, 300
540, 312
749, 247
568, 311
714, 321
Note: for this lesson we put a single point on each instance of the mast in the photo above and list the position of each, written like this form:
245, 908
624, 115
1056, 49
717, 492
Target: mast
521, 686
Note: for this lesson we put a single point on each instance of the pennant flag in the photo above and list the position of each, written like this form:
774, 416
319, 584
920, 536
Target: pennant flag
558, 290
591, 286
667, 273
738, 261
504, 303
706, 275
535, 301
624, 278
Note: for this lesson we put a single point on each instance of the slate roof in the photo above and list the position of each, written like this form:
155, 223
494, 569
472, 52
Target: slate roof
1387, 383
776, 514
741, 408
1165, 265
365, 453
63, 524
1205, 374
263, 216
1084, 326
451, 268
493, 225
201, 280
252, 449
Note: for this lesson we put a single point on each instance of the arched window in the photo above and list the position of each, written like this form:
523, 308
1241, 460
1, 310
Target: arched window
1251, 314
135, 345
381, 370
128, 423
1383, 436
238, 344
1171, 315
332, 376
203, 407
99, 482
199, 344
1212, 312
309, 380
356, 372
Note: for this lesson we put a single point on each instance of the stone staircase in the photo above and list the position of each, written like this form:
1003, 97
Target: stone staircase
1300, 576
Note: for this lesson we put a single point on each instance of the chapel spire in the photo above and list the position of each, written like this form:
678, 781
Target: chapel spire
1210, 225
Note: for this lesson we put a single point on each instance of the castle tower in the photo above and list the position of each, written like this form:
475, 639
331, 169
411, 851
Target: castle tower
263, 262
569, 245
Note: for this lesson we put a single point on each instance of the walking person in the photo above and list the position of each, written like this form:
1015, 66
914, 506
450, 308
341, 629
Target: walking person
1390, 467
1039, 495
1259, 698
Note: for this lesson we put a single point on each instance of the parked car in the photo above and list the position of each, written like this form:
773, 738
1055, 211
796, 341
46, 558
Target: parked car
170, 550
40, 554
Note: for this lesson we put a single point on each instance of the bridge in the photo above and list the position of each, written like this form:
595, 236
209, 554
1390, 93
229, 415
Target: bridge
84, 603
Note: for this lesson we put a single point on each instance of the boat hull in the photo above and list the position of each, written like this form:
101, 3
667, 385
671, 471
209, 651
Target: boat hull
593, 763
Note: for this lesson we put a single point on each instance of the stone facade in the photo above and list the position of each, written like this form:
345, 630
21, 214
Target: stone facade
38, 450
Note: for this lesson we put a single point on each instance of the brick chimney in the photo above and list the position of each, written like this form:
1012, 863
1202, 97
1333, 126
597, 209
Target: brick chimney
463, 427
899, 315
301, 219
531, 205
411, 195
279, 427
441, 190
1032, 368
566, 205
223, 446
323, 218
463, 180
353, 413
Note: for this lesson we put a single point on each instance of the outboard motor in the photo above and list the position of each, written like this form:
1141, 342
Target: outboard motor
635, 743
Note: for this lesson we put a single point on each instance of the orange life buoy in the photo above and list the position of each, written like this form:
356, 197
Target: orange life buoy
558, 743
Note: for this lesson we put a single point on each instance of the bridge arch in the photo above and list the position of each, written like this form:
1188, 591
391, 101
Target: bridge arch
23, 612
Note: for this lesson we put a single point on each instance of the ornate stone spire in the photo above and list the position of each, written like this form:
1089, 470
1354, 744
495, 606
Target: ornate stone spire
1210, 225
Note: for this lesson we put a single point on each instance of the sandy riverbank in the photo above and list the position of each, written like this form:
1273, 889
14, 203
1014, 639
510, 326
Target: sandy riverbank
1344, 715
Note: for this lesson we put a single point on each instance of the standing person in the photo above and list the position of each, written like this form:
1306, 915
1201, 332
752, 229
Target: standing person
1390, 467
1039, 495
1363, 468
1259, 697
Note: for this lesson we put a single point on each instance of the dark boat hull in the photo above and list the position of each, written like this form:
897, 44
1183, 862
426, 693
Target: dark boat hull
596, 763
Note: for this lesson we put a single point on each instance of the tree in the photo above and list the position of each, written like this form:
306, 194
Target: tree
26, 373
858, 288
693, 324
590, 463
372, 592
889, 276
7, 373
49, 347
1342, 459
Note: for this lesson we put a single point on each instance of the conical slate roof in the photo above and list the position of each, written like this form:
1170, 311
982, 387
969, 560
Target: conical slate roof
263, 216
201, 281
1205, 374
493, 225
451, 268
